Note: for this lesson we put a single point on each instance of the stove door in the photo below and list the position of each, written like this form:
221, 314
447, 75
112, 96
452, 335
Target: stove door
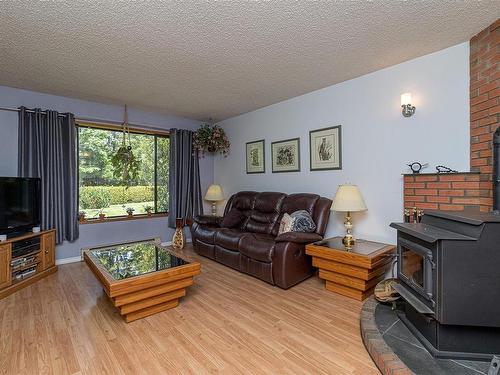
415, 267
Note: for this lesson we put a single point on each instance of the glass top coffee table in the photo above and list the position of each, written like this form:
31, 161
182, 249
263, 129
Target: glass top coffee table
141, 278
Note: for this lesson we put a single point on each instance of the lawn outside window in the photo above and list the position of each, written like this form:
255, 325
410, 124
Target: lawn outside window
102, 192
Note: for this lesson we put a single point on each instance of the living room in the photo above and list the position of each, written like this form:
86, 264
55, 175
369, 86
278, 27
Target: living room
243, 187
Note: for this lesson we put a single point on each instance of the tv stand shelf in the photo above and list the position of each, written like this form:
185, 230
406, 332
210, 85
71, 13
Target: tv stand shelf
43, 259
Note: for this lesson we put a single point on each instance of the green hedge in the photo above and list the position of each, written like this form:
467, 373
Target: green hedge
95, 196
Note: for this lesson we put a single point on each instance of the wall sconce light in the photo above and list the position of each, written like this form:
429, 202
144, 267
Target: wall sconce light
408, 109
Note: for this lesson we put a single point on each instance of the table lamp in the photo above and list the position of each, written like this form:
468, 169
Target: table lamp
348, 199
214, 195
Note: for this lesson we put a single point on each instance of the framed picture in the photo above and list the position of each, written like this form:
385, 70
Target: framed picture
286, 155
326, 148
256, 157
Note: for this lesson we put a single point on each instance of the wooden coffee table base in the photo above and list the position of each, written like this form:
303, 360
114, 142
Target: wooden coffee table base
148, 294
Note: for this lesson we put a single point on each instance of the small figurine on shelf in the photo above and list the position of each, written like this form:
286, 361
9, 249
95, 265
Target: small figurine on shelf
130, 211
445, 169
416, 167
407, 215
420, 213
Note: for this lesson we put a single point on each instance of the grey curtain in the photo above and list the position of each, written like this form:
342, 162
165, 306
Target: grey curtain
47, 149
184, 179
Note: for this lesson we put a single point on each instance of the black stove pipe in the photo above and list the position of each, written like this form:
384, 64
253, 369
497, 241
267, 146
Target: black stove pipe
496, 170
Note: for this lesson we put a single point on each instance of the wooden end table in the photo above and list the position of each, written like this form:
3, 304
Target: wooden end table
353, 273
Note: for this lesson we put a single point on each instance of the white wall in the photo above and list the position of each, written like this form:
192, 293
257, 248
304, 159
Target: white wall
101, 233
377, 140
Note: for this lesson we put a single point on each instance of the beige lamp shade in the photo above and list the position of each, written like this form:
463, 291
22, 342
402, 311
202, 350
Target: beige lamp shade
348, 199
214, 193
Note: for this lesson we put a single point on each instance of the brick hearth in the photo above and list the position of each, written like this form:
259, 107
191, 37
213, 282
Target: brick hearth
448, 192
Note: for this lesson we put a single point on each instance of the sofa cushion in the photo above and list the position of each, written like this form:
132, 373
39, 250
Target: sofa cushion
206, 234
229, 238
232, 219
303, 222
265, 213
258, 246
296, 202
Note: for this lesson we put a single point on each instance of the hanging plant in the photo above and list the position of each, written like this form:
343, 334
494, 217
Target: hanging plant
125, 164
211, 138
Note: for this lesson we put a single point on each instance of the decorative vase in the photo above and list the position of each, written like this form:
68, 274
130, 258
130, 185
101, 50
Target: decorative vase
178, 239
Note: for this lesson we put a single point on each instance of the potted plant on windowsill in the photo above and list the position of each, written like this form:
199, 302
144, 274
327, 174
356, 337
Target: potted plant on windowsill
130, 212
149, 210
102, 215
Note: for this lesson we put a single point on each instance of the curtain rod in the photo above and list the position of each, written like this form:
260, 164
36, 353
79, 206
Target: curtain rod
87, 119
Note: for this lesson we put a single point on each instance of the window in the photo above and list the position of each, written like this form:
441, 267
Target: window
101, 191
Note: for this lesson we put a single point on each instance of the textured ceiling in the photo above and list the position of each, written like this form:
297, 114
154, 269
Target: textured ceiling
218, 59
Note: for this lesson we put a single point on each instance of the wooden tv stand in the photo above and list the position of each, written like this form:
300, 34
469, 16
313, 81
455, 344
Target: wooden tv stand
43, 261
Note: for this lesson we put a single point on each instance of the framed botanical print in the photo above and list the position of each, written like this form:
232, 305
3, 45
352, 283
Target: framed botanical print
286, 155
256, 157
326, 148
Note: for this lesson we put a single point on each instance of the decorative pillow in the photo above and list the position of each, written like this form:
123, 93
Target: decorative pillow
303, 222
286, 224
232, 219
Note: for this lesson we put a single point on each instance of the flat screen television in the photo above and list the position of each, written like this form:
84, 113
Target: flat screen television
20, 202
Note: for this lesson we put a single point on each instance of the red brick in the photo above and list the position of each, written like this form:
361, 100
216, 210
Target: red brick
488, 121
464, 185
472, 177
415, 198
480, 146
418, 185
479, 115
486, 153
408, 179
452, 193
439, 199
409, 192
424, 178
485, 185
472, 193
439, 185
465, 200
480, 130
486, 169
428, 206
488, 87
452, 177
486, 201
426, 192
491, 103
451, 207
478, 162
493, 93
494, 110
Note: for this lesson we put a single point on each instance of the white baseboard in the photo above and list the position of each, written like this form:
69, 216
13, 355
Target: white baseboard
68, 260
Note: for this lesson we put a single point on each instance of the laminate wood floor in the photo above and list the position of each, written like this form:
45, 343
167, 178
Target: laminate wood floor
228, 323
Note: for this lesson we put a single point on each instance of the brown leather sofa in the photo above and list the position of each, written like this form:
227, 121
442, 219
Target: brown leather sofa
254, 247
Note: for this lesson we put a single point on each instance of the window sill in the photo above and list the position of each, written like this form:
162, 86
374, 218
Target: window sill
121, 218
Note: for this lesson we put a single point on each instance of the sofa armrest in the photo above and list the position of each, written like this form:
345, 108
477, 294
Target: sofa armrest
298, 237
208, 220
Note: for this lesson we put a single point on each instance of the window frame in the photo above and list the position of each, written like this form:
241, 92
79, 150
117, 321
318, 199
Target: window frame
133, 130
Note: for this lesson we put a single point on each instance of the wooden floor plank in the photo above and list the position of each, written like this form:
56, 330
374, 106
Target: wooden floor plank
228, 323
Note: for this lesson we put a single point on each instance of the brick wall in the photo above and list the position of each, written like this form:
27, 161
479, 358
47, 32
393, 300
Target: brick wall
448, 192
484, 106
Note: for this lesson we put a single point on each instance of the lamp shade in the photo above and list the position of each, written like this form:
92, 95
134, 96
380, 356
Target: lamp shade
214, 193
406, 98
348, 198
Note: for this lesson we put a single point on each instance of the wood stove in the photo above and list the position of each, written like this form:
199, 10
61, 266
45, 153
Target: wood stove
449, 278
